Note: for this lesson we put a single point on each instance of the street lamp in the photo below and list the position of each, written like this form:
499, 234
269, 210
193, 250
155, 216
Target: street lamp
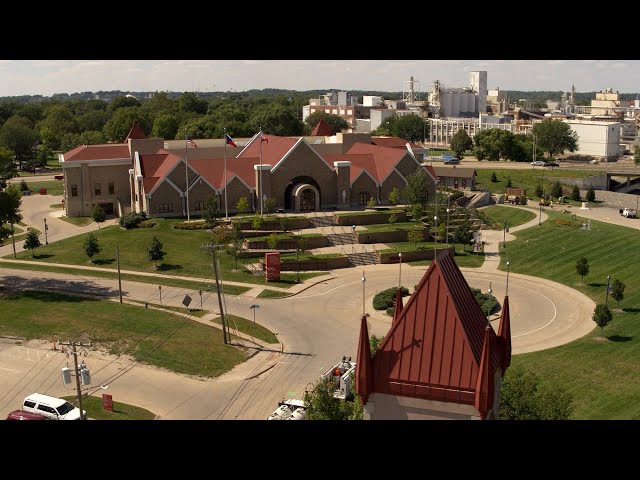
488, 309
363, 282
540, 216
254, 308
400, 271
448, 210
435, 238
507, 289
606, 302
46, 227
504, 234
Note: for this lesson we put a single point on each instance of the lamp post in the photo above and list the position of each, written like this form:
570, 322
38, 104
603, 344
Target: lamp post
448, 210
488, 310
606, 302
254, 308
540, 216
504, 235
435, 233
400, 271
507, 289
297, 263
46, 227
364, 280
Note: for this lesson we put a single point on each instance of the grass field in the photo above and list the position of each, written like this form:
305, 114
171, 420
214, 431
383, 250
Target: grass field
604, 377
266, 293
526, 178
392, 227
184, 255
121, 411
77, 221
513, 216
368, 212
463, 258
87, 274
149, 336
247, 326
54, 187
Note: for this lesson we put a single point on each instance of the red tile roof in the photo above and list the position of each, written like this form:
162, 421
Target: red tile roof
393, 142
322, 128
213, 170
135, 133
434, 349
98, 152
155, 167
272, 150
504, 334
363, 365
430, 169
384, 158
485, 383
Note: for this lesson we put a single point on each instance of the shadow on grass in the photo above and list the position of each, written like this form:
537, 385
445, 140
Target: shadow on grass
43, 255
104, 261
620, 338
168, 266
44, 288
51, 297
631, 310
597, 284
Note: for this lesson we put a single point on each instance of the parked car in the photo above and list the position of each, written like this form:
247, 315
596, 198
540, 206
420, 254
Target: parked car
551, 164
538, 163
452, 161
51, 407
22, 415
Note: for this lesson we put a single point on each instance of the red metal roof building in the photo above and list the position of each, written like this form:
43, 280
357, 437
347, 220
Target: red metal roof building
441, 359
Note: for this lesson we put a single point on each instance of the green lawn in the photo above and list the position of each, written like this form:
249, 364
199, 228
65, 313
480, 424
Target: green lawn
149, 336
247, 326
266, 293
287, 236
194, 312
526, 178
184, 256
121, 411
77, 221
513, 216
22, 236
604, 378
368, 212
464, 258
392, 227
54, 187
309, 256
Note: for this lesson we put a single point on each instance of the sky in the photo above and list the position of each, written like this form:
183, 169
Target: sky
46, 77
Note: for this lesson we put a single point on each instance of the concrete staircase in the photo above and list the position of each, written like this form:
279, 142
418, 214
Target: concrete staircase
323, 221
363, 258
342, 238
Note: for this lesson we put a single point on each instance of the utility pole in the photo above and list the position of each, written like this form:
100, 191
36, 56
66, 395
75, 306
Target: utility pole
75, 361
210, 247
119, 279
46, 228
13, 238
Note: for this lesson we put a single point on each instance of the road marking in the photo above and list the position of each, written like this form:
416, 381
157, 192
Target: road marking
9, 369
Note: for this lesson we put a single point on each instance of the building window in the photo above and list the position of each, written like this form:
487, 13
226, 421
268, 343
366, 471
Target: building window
349, 111
166, 207
112, 188
464, 183
98, 190
334, 111
363, 198
199, 206
74, 190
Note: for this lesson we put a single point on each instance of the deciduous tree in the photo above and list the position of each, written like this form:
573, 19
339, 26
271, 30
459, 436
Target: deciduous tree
555, 137
155, 252
617, 290
31, 242
91, 246
461, 142
602, 316
582, 267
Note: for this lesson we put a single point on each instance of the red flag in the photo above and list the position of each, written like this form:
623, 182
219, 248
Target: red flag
229, 141
263, 138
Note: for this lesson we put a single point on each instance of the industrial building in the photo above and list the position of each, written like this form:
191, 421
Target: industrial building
599, 139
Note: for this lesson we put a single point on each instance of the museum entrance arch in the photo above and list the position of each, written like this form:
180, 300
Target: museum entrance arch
305, 198
289, 193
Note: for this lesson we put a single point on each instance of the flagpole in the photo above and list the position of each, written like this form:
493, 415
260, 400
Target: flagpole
186, 170
260, 179
226, 213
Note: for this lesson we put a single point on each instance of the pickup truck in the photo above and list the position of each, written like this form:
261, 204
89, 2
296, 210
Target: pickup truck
628, 212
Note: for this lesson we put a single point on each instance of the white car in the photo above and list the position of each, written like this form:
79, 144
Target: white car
51, 407
538, 163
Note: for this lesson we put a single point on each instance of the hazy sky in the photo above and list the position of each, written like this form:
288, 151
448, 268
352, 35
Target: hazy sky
46, 77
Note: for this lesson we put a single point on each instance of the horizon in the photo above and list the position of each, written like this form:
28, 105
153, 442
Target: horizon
50, 77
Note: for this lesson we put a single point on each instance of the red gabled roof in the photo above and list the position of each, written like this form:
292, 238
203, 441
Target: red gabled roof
323, 129
272, 150
384, 158
359, 162
430, 169
393, 142
135, 133
213, 170
98, 152
155, 167
434, 349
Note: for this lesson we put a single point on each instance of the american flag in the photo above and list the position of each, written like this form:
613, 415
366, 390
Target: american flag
191, 142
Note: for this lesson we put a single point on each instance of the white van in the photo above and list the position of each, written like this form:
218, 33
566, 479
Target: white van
51, 407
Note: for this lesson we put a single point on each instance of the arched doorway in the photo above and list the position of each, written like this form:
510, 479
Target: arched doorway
306, 198
289, 200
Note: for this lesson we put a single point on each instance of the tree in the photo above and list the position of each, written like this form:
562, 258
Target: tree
464, 234
408, 127
32, 242
539, 191
617, 290
155, 252
243, 205
394, 196
416, 189
393, 218
493, 144
236, 242
582, 267
23, 185
165, 126
415, 236
322, 405
122, 101
509, 184
417, 210
575, 193
285, 224
257, 221
91, 246
556, 190
272, 241
7, 167
375, 342
276, 119
591, 194
98, 215
270, 205
555, 137
460, 143
9, 210
602, 316
521, 398
494, 177
58, 122
336, 122
371, 203
18, 136
189, 102
118, 126
211, 212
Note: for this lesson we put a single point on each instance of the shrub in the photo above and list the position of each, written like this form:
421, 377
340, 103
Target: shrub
523, 200
393, 218
132, 220
591, 194
190, 226
575, 193
147, 224
386, 298
23, 185
257, 222
371, 203
494, 177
